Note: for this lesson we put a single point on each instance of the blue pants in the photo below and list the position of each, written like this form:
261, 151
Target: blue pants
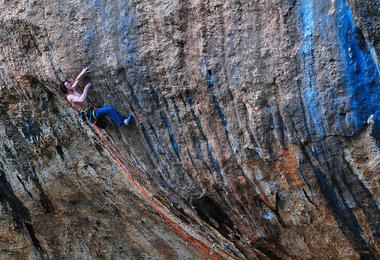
105, 111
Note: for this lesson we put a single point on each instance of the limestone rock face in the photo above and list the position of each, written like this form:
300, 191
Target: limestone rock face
256, 129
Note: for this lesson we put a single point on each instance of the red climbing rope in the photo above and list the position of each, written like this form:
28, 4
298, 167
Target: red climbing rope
137, 185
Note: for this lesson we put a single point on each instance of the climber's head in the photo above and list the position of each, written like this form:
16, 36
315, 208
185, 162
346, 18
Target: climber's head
65, 87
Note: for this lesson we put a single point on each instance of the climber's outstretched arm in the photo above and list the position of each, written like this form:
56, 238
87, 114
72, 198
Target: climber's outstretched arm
80, 76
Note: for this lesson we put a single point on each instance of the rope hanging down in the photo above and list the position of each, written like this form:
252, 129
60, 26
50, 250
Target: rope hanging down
142, 192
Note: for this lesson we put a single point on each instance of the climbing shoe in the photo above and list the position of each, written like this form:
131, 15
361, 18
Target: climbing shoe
127, 120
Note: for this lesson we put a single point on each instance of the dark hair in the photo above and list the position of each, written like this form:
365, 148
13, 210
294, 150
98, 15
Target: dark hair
63, 87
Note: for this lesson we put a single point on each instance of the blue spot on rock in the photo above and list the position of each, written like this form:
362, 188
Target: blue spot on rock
268, 216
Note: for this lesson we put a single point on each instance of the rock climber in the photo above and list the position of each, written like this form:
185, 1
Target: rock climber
87, 110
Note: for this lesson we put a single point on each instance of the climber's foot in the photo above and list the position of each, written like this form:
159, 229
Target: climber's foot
128, 119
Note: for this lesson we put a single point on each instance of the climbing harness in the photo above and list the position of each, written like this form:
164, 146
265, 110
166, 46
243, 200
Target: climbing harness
89, 112
151, 201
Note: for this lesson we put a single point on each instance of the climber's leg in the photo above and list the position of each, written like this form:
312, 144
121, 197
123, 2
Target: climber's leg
110, 112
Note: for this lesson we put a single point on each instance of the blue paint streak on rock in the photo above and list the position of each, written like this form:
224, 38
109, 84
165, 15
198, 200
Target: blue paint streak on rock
165, 182
101, 10
199, 155
172, 138
88, 40
127, 36
202, 65
260, 232
271, 119
127, 45
344, 215
315, 110
209, 146
29, 131
310, 94
360, 69
150, 143
176, 109
136, 99
152, 122
166, 121
211, 83
109, 181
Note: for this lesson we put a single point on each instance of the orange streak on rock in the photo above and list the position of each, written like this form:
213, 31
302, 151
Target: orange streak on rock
288, 166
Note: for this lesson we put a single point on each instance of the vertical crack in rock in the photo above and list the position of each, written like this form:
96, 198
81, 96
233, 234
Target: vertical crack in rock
23, 185
23, 155
44, 199
19, 212
34, 239
308, 198
362, 198
60, 152
276, 211
343, 214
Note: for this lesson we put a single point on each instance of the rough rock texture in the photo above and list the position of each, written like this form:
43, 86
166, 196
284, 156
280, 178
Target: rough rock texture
253, 129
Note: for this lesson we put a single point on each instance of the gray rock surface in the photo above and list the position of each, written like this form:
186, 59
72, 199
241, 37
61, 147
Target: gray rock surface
256, 129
